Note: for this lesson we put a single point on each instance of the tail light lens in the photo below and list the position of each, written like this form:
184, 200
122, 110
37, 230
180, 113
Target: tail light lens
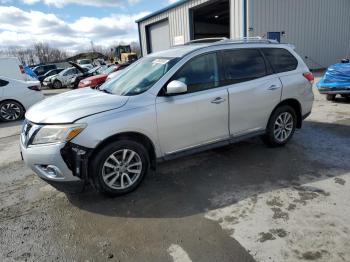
309, 76
34, 88
21, 68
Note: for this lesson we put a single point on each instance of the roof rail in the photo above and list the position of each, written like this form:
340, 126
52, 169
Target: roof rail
224, 40
206, 40
256, 39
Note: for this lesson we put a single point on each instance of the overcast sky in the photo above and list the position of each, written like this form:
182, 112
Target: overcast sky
72, 24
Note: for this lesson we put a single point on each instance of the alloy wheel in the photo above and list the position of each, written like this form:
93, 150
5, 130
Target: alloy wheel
283, 127
10, 111
122, 169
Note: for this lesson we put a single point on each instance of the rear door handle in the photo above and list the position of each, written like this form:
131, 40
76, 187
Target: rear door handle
273, 87
218, 100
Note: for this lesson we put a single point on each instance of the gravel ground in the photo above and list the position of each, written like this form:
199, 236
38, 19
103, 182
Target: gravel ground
244, 202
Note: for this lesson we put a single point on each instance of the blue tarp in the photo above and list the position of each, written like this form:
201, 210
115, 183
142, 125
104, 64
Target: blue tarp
30, 72
337, 76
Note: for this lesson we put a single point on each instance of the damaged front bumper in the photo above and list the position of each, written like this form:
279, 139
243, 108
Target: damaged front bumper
64, 166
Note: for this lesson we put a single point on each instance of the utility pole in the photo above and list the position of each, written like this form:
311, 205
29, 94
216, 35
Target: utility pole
92, 45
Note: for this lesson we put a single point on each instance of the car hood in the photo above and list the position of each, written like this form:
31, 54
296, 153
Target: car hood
71, 106
96, 77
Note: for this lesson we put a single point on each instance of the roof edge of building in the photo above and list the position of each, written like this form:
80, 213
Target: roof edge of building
176, 4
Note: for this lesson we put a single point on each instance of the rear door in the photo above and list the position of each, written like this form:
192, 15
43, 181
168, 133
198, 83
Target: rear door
254, 90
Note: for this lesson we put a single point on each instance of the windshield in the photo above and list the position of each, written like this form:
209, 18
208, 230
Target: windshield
139, 77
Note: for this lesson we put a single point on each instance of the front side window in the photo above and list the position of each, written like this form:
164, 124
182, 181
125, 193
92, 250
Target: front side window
243, 65
200, 73
280, 59
69, 72
140, 76
39, 71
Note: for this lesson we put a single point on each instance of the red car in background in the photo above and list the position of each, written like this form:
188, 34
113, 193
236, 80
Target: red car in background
94, 81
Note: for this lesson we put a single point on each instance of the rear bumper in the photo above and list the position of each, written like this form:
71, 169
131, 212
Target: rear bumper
335, 91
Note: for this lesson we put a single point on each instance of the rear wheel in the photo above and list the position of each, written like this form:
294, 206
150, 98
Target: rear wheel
281, 126
57, 84
119, 167
11, 111
330, 97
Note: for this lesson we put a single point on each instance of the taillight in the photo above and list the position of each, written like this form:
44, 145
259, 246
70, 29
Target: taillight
21, 68
309, 76
34, 88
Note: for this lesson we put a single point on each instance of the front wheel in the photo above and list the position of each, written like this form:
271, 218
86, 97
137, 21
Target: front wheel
57, 84
119, 167
281, 126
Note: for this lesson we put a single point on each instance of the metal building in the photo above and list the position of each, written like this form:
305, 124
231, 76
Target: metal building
318, 28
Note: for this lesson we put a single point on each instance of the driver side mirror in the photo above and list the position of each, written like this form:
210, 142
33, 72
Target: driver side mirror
176, 87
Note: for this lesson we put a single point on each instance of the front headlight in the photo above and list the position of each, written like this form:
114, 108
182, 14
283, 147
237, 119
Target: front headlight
57, 133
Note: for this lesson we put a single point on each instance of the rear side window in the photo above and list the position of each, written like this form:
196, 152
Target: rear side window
200, 73
3, 82
243, 65
280, 59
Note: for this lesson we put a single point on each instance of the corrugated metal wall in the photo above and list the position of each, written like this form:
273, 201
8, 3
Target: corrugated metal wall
179, 21
320, 29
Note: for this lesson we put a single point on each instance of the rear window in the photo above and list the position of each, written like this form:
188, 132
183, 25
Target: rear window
280, 59
243, 65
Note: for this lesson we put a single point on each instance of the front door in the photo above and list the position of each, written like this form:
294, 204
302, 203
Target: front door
200, 116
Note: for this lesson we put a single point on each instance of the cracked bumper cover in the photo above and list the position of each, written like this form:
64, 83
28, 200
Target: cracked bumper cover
63, 165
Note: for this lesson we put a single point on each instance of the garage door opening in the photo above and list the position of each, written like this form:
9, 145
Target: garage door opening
158, 36
211, 20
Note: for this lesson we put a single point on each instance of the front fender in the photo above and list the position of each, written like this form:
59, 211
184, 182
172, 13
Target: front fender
102, 126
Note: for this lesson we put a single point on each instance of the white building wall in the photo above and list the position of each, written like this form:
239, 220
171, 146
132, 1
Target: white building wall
179, 21
320, 29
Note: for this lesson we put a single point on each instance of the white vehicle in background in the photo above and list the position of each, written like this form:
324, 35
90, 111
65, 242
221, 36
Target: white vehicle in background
88, 67
16, 97
11, 67
62, 79
87, 63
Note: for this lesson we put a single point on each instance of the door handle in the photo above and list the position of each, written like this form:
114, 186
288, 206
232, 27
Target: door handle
218, 100
273, 87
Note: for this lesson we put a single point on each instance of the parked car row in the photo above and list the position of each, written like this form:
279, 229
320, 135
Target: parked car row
20, 86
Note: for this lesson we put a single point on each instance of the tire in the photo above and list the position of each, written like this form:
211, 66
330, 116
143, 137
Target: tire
283, 119
108, 177
330, 97
57, 84
11, 111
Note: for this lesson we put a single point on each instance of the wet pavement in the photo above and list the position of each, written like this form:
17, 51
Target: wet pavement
244, 202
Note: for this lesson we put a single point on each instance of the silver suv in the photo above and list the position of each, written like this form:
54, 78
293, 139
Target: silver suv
168, 104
